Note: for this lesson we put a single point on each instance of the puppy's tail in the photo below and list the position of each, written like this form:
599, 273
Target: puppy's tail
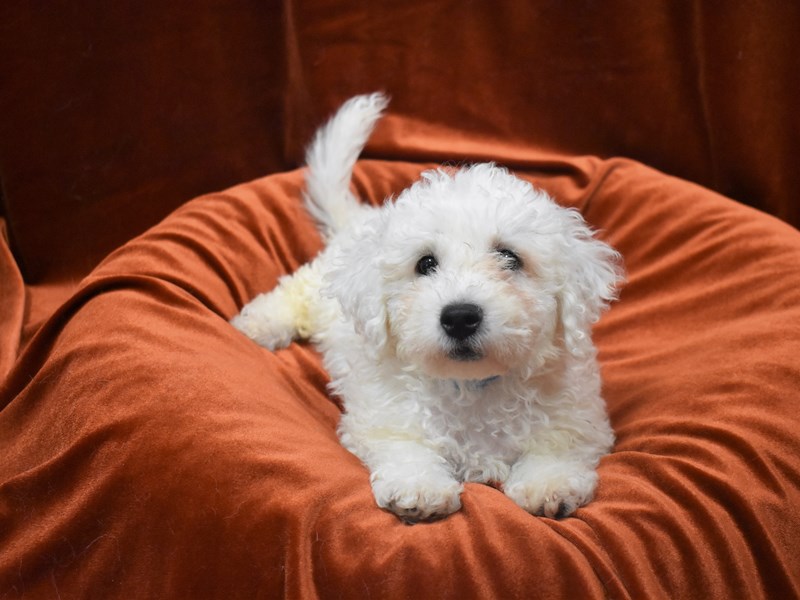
331, 157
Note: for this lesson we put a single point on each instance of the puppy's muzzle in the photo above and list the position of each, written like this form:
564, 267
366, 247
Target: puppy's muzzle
461, 321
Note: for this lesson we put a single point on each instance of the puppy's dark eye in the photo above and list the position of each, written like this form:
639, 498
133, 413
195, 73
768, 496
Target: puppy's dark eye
426, 265
511, 259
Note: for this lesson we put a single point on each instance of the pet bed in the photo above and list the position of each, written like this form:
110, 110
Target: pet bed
149, 446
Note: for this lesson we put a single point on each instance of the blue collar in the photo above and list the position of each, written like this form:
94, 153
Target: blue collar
476, 384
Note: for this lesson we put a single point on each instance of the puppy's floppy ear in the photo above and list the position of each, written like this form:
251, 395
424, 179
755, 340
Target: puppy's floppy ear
356, 280
592, 275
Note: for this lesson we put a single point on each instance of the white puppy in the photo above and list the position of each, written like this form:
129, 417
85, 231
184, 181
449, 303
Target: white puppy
455, 324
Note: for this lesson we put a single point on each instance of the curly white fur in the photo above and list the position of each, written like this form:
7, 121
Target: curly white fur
512, 400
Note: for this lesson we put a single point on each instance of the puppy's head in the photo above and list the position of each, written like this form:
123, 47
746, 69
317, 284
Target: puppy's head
474, 273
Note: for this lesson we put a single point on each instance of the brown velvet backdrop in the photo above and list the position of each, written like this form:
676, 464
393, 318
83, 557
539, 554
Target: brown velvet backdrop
115, 113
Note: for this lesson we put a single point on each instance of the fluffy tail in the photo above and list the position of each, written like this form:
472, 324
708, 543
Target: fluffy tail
331, 157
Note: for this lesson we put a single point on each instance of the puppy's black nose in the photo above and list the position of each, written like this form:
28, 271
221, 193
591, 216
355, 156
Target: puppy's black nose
460, 321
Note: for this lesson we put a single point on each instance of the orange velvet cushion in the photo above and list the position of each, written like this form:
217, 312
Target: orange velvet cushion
150, 450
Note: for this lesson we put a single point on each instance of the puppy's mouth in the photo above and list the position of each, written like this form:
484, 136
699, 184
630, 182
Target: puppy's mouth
464, 353
464, 361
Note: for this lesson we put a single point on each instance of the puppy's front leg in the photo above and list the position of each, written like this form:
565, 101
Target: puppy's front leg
552, 485
557, 471
410, 479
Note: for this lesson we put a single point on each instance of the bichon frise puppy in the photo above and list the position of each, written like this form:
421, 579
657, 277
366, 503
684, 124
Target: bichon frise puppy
455, 324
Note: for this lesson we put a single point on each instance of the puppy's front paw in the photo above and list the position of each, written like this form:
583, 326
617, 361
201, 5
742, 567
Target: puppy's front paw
423, 497
554, 489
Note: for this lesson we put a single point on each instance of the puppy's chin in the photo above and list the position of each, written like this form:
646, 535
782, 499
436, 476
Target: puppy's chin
464, 366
